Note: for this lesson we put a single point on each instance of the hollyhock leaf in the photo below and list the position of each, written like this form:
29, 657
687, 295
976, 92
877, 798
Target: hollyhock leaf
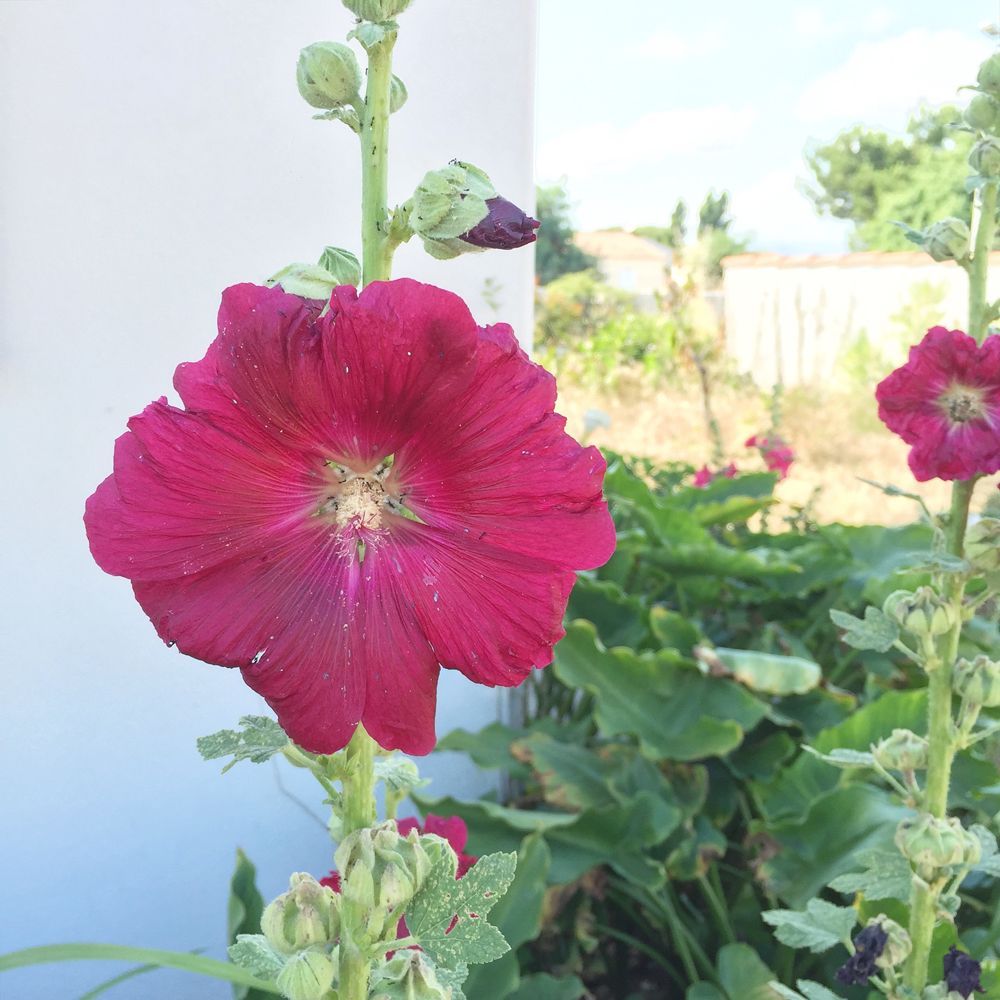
989, 862
884, 875
572, 776
875, 631
372, 33
253, 952
311, 281
770, 673
842, 757
743, 974
620, 619
259, 739
489, 748
398, 773
342, 264
542, 986
454, 978
815, 991
818, 927
472, 939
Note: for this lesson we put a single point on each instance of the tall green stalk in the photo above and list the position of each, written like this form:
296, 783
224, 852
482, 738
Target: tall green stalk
359, 809
940, 725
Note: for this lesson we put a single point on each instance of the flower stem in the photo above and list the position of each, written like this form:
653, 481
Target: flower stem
358, 813
941, 732
376, 250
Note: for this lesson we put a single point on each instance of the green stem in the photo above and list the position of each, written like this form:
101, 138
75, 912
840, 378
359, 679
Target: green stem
358, 813
941, 733
376, 261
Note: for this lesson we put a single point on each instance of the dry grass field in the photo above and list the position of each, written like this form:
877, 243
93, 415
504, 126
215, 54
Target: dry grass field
835, 433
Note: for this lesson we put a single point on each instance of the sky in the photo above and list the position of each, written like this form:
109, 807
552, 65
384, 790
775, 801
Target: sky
641, 102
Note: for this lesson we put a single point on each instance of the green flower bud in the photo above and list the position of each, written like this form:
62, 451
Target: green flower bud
408, 975
397, 94
328, 75
306, 915
897, 947
978, 682
988, 77
983, 113
931, 843
376, 10
902, 751
982, 544
947, 240
381, 871
307, 976
921, 613
985, 157
450, 201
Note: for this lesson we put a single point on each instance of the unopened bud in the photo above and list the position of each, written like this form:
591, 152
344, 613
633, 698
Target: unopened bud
988, 77
931, 843
307, 976
947, 240
897, 946
409, 975
328, 75
978, 681
983, 113
376, 10
397, 94
982, 544
506, 227
305, 915
922, 612
904, 750
985, 157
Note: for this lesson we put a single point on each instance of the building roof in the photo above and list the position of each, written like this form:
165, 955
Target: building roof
904, 258
616, 244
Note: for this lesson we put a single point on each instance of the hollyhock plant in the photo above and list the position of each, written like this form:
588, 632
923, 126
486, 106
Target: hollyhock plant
777, 454
705, 475
506, 227
349, 501
945, 403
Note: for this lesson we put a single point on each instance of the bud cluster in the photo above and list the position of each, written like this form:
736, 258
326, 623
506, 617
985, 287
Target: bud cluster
408, 975
933, 843
948, 239
903, 751
982, 544
977, 681
922, 612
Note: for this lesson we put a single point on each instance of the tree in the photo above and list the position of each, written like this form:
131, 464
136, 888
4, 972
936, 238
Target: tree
713, 212
875, 180
670, 236
555, 251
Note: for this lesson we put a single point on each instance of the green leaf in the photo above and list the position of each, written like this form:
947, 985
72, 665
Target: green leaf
244, 912
489, 748
704, 991
769, 673
743, 975
819, 927
518, 914
542, 986
398, 773
620, 619
493, 981
342, 265
455, 978
443, 897
989, 862
259, 740
311, 281
673, 630
254, 952
677, 712
884, 875
372, 33
842, 757
148, 956
572, 776
815, 991
876, 631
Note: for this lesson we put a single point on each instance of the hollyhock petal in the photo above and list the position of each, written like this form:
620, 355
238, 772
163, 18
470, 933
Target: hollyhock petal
914, 403
505, 471
326, 642
702, 477
487, 612
186, 496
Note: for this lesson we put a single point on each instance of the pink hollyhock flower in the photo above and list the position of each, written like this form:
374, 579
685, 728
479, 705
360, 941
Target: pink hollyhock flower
945, 402
348, 501
777, 455
704, 475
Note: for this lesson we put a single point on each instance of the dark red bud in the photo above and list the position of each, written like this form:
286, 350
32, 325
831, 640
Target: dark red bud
505, 228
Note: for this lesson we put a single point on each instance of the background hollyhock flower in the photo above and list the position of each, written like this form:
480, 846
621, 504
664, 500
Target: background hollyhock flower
962, 972
705, 475
348, 501
777, 454
861, 966
505, 228
945, 402
451, 828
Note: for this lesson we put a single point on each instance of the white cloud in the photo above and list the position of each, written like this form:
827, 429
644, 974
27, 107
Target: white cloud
881, 82
812, 22
780, 217
673, 46
878, 19
605, 147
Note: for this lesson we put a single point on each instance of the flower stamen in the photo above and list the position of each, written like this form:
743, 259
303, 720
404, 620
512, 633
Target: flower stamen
962, 403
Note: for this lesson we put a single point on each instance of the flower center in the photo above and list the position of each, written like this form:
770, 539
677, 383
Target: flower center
962, 404
360, 503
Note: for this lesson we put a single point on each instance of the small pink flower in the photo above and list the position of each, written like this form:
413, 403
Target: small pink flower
777, 454
348, 502
703, 477
945, 402
730, 471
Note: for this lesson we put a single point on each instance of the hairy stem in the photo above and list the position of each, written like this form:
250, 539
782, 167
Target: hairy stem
358, 813
376, 249
940, 725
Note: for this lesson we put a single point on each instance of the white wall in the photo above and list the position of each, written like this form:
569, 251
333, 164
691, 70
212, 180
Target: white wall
789, 319
151, 154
